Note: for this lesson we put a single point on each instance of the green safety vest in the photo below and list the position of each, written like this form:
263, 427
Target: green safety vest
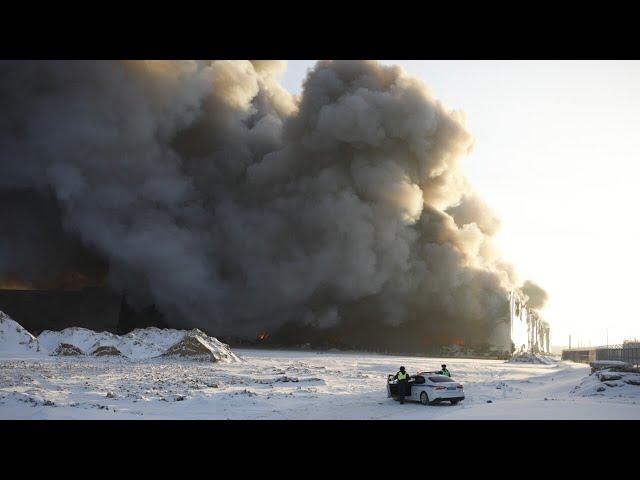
446, 372
402, 375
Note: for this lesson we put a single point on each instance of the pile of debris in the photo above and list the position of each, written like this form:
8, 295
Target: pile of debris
612, 373
527, 357
614, 364
196, 345
67, 350
106, 351
611, 379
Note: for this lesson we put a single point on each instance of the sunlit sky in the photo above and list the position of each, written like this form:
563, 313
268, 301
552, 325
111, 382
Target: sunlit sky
556, 157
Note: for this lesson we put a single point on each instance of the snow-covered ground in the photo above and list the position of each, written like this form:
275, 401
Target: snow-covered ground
299, 385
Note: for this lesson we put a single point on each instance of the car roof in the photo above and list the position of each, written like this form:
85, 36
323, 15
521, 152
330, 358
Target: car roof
429, 374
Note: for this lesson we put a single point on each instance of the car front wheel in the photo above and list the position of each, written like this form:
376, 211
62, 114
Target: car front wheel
424, 398
454, 402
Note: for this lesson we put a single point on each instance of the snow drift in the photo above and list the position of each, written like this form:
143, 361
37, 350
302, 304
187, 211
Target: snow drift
15, 340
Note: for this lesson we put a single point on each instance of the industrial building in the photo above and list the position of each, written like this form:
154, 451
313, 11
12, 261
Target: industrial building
529, 332
95, 308
519, 329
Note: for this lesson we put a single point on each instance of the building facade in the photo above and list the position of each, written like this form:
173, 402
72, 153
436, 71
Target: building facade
529, 332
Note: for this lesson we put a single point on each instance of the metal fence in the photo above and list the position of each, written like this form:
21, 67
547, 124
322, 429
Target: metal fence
629, 355
612, 352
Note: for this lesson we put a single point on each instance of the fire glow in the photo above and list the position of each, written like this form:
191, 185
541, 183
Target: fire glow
69, 280
11, 284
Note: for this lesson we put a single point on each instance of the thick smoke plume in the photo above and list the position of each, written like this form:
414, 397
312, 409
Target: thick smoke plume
537, 295
210, 191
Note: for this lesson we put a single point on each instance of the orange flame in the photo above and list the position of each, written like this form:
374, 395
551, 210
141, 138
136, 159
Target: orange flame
10, 284
263, 335
69, 280
443, 340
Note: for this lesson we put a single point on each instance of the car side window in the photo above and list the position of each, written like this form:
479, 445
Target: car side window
419, 380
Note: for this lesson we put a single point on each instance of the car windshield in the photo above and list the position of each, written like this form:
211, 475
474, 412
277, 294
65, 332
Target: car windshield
441, 379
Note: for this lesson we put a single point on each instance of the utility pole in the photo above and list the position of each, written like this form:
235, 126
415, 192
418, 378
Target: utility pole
607, 338
569, 342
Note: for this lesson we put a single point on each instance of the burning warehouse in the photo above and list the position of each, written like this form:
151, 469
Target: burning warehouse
529, 331
204, 188
96, 308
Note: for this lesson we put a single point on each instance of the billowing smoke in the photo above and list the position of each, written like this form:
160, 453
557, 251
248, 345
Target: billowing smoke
233, 206
537, 295
34, 249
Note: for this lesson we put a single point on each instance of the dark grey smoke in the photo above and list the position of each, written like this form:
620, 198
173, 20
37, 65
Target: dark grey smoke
235, 207
33, 245
537, 295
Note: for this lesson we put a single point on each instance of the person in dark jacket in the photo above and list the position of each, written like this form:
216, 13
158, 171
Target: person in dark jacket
402, 378
444, 371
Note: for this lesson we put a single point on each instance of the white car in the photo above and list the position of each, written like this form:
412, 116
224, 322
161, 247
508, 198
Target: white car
428, 388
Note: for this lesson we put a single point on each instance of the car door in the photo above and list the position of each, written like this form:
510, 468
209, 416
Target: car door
418, 387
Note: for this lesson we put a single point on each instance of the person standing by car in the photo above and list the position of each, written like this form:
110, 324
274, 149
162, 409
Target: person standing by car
402, 378
444, 371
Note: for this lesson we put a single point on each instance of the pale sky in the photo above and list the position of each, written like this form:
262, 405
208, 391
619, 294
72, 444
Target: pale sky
556, 157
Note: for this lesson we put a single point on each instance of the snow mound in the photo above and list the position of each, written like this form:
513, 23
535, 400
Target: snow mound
82, 338
15, 340
67, 350
526, 357
170, 343
143, 343
611, 382
106, 351
192, 347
